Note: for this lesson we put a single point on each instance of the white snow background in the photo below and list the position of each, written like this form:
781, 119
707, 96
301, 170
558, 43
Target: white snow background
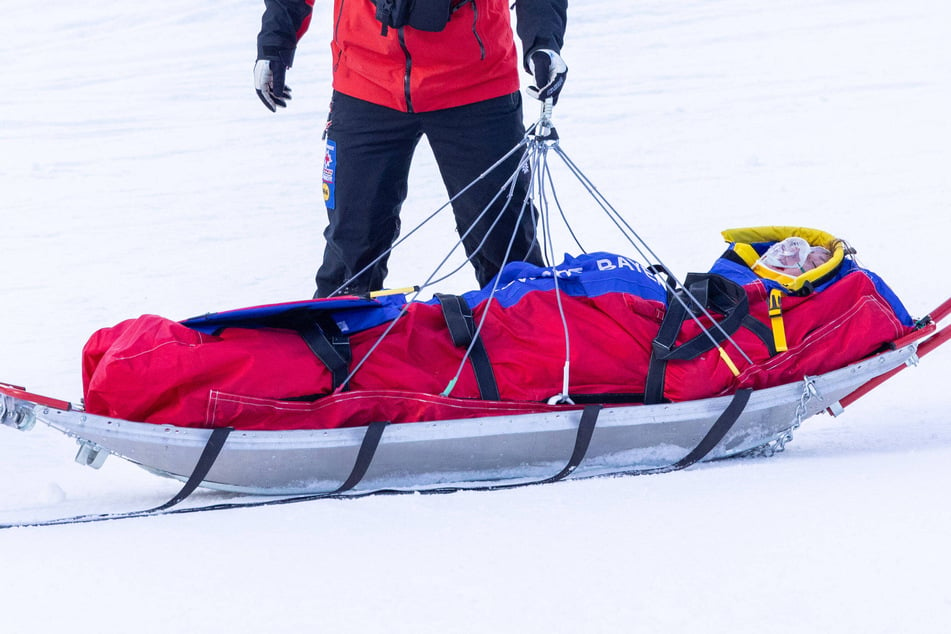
140, 174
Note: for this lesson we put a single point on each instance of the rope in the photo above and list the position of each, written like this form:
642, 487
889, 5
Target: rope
432, 280
541, 172
637, 242
444, 206
537, 141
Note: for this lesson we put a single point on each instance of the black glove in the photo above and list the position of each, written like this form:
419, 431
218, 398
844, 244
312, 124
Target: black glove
269, 82
550, 72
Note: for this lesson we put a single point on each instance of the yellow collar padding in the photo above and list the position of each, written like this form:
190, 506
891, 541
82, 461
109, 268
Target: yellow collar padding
743, 239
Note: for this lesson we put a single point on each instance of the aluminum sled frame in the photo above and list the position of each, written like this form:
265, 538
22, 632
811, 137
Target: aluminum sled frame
463, 453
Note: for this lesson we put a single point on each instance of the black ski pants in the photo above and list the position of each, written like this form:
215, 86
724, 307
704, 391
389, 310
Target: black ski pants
366, 167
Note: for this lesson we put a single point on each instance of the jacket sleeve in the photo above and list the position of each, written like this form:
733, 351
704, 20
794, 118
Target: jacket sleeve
284, 22
540, 24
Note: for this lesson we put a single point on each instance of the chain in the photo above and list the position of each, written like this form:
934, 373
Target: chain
776, 446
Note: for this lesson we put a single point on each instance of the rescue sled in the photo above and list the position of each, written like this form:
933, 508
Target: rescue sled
475, 437
469, 453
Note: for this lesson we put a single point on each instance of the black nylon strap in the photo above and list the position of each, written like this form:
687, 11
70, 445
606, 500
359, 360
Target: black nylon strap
713, 292
205, 461
589, 418
458, 318
333, 352
763, 332
717, 432
655, 381
714, 435
586, 425
462, 329
718, 294
371, 440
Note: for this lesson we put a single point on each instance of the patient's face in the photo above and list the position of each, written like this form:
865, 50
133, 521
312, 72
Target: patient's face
794, 256
817, 257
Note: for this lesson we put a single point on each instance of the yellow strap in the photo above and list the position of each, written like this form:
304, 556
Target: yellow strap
395, 291
776, 319
728, 361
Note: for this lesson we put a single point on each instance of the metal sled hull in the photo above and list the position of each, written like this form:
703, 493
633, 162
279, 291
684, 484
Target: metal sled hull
467, 451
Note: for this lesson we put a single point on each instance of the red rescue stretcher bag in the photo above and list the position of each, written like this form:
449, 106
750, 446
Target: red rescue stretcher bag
349, 361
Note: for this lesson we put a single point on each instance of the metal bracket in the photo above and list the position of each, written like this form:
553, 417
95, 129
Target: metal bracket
16, 414
836, 409
90, 454
544, 130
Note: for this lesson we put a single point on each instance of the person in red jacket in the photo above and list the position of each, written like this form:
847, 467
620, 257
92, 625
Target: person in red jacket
447, 69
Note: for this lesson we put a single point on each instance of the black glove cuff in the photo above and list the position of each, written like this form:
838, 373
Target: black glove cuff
286, 56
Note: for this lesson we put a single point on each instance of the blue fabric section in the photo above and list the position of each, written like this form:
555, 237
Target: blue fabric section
742, 274
739, 273
890, 296
586, 275
350, 313
583, 276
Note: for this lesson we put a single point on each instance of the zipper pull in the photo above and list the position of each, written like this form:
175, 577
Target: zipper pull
384, 9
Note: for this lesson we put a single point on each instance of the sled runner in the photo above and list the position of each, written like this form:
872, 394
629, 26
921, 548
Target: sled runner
596, 365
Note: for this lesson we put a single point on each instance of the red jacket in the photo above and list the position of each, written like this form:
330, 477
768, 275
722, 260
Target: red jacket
472, 59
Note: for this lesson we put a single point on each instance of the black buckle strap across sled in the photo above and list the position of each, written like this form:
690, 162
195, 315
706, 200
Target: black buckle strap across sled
462, 329
331, 346
715, 293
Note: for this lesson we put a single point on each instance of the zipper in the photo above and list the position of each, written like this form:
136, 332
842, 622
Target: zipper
336, 62
408, 72
475, 30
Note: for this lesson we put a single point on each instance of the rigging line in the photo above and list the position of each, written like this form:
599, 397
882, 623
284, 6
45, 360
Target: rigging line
509, 185
561, 211
541, 170
616, 217
633, 238
448, 203
526, 203
538, 175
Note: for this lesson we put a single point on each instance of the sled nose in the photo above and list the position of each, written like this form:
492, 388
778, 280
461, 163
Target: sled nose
15, 413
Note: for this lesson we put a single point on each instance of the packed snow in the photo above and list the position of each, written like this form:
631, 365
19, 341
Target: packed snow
140, 174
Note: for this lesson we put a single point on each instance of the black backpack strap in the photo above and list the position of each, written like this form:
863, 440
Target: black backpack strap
462, 329
762, 331
715, 293
331, 346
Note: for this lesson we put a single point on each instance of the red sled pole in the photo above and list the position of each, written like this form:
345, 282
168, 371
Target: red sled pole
16, 391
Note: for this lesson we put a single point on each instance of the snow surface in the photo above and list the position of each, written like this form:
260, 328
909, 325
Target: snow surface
140, 174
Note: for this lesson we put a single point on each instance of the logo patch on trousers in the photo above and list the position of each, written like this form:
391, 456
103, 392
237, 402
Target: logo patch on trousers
329, 173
